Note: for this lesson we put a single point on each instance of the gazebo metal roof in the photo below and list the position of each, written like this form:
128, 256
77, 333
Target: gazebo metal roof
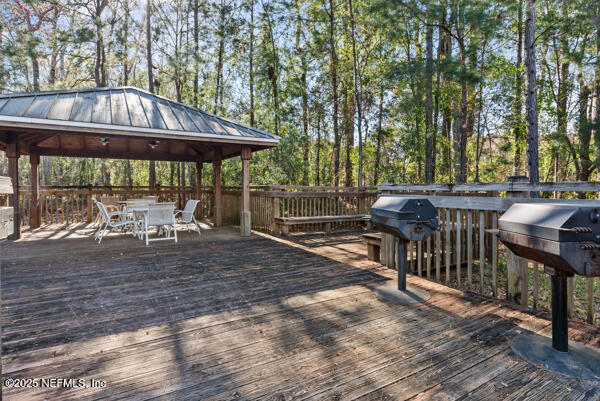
128, 117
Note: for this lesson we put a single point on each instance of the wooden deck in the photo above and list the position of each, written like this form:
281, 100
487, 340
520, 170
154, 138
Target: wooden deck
224, 317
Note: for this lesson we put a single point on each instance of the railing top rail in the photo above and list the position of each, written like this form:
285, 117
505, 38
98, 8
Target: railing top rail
492, 203
586, 186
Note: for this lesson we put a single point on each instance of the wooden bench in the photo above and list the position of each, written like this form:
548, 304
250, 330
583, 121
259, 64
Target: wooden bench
373, 241
282, 224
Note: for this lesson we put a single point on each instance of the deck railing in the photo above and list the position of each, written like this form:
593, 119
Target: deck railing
462, 254
68, 205
465, 254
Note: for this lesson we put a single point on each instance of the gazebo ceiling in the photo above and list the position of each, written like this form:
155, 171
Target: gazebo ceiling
122, 123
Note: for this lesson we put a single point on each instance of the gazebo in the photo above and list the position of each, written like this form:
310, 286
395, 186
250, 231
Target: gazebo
123, 123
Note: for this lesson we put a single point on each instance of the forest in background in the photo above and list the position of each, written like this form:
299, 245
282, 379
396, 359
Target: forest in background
360, 91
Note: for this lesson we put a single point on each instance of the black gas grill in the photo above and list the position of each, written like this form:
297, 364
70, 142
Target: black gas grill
406, 218
565, 238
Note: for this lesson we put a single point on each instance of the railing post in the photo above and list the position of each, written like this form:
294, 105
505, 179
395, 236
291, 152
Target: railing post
388, 247
245, 215
218, 195
90, 206
34, 205
13, 153
199, 166
276, 213
517, 269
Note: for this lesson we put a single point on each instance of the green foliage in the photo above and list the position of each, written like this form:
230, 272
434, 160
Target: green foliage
291, 40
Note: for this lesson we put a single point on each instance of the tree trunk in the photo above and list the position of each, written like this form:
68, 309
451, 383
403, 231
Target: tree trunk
531, 99
596, 101
581, 157
152, 163
446, 52
149, 45
518, 105
54, 48
221, 51
304, 96
35, 71
2, 72
273, 72
251, 63
318, 167
100, 62
357, 93
429, 132
462, 176
128, 173
196, 51
379, 138
349, 109
125, 61
334, 94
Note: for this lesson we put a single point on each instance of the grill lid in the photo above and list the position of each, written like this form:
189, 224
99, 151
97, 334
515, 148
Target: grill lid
408, 218
561, 223
404, 208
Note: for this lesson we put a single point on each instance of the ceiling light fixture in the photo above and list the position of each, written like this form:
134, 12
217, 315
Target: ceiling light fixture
104, 141
153, 144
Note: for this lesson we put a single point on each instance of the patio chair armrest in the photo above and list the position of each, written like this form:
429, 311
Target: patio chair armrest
117, 213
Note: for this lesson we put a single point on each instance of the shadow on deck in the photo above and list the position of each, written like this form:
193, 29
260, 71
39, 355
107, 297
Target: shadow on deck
224, 317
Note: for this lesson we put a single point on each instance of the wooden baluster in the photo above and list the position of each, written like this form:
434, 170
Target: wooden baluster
409, 255
482, 251
448, 227
458, 247
420, 258
469, 248
494, 255
536, 284
570, 296
438, 254
428, 258
590, 300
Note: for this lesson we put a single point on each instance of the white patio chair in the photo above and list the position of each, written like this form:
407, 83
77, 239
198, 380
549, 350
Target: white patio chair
111, 205
108, 222
160, 215
187, 215
152, 198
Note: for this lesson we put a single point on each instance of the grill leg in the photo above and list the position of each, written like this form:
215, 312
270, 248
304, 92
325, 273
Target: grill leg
401, 264
560, 336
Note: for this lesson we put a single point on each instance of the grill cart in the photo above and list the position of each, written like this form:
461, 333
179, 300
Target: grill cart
406, 218
566, 239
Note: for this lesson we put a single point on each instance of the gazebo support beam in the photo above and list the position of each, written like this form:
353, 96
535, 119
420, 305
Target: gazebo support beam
245, 216
13, 153
218, 195
199, 166
34, 208
107, 154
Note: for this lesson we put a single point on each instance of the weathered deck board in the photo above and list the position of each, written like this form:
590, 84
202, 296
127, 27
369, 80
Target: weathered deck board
222, 317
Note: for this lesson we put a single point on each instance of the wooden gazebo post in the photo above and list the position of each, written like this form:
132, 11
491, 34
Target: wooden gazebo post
245, 217
218, 195
34, 208
13, 153
199, 166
